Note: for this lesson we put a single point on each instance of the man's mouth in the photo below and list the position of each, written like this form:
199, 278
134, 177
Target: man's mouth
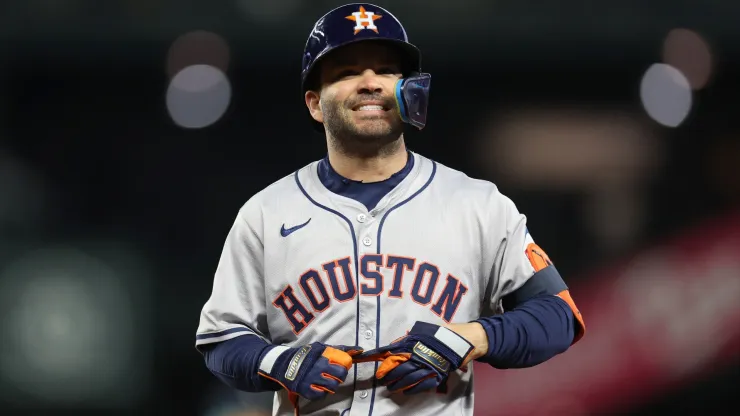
375, 106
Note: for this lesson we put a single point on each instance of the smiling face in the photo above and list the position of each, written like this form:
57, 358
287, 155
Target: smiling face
356, 100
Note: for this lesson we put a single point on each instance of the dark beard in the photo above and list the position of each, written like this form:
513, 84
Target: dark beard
351, 141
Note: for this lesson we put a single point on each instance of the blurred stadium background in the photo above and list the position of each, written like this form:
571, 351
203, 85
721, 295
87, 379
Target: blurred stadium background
131, 131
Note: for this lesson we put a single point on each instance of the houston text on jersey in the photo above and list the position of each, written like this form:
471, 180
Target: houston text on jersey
334, 282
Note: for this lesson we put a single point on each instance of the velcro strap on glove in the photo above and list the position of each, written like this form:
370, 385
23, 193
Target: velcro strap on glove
309, 371
439, 347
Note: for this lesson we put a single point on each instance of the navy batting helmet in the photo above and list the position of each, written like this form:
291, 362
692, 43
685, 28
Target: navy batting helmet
358, 22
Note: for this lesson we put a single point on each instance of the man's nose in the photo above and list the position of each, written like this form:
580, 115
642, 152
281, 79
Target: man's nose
369, 83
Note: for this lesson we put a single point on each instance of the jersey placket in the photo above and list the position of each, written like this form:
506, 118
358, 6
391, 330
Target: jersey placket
366, 224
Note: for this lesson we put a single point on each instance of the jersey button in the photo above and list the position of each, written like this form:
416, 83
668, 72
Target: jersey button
367, 241
363, 394
362, 218
368, 334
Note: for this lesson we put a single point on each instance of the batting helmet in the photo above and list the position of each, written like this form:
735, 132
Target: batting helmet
359, 22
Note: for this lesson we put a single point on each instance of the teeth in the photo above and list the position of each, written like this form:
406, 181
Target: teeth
370, 108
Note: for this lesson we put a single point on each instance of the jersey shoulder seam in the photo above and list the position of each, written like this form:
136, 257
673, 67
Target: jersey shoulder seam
279, 187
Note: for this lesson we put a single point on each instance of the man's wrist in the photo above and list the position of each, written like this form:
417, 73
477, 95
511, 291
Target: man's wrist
476, 335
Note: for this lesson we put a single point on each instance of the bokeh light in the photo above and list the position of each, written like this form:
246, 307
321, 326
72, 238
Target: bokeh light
198, 47
198, 96
666, 95
70, 329
688, 52
592, 147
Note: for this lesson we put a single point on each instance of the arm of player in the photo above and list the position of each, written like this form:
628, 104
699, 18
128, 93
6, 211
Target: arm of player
236, 362
538, 324
536, 330
251, 364
236, 306
233, 335
540, 319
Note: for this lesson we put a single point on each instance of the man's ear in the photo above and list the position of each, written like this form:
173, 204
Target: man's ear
313, 102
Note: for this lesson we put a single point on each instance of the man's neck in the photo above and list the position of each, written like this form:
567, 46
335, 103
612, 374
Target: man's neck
378, 167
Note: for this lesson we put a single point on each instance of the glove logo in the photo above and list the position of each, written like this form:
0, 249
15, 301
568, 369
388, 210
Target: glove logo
295, 363
364, 20
430, 356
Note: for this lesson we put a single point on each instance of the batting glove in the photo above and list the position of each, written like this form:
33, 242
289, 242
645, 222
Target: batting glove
419, 361
311, 371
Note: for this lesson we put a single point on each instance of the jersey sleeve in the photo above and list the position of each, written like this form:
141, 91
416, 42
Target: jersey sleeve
236, 305
523, 269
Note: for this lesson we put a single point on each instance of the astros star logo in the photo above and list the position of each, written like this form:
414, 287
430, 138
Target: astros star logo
364, 20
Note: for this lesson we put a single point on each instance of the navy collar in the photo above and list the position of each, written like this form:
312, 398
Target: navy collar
366, 193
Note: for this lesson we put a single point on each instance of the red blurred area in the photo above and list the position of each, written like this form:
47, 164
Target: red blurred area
656, 322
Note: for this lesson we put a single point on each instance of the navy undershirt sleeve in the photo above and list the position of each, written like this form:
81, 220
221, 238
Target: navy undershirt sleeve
236, 361
531, 333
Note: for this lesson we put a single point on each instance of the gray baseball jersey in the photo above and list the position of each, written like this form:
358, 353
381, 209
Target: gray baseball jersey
302, 264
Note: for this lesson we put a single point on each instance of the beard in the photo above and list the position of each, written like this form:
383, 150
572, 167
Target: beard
373, 135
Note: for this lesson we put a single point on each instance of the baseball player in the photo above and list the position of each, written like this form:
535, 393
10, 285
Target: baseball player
365, 283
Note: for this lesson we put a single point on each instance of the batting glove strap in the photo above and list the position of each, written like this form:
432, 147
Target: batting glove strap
440, 347
433, 345
311, 371
446, 343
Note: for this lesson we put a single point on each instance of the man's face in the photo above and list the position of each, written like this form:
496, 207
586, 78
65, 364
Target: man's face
357, 95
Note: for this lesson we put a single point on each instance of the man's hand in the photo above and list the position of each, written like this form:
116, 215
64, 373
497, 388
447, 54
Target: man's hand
421, 360
311, 371
474, 333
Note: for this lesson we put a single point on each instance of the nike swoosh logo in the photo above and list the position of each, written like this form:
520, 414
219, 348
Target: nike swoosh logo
287, 231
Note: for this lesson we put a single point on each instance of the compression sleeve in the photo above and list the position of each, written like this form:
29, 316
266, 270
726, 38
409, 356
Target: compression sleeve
235, 362
531, 333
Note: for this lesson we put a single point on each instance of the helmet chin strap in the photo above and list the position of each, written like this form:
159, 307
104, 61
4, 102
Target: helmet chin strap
412, 98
